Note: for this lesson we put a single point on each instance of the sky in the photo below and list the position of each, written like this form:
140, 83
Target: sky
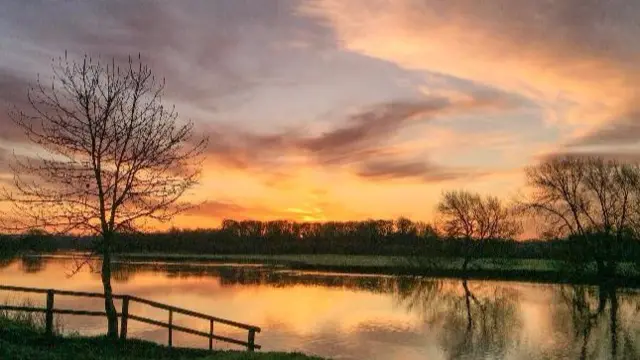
341, 110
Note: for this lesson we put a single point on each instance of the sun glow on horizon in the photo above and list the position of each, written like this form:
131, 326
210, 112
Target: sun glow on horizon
316, 112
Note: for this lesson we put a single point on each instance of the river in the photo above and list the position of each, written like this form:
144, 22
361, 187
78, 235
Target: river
350, 316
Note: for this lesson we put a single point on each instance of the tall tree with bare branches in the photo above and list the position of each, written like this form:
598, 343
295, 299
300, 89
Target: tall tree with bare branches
112, 156
476, 219
590, 199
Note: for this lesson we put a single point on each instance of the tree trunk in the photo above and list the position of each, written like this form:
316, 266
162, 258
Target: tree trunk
601, 268
613, 321
612, 269
465, 266
109, 307
468, 253
467, 298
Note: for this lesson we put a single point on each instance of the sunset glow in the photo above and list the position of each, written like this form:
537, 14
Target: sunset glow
321, 110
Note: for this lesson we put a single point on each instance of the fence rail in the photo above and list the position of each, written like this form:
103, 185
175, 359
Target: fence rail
125, 316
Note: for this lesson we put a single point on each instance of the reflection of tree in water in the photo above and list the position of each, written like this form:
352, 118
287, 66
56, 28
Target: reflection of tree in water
418, 294
471, 323
602, 321
6, 261
478, 325
473, 320
247, 275
33, 264
122, 272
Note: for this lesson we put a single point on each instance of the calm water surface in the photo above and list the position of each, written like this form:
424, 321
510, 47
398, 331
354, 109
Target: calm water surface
358, 316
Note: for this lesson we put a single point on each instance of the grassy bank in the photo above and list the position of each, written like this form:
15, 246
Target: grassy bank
487, 268
353, 261
24, 340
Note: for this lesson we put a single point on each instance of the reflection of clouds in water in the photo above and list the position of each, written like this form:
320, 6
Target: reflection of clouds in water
360, 317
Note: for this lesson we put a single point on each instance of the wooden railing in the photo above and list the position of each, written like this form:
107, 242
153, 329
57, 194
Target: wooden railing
125, 316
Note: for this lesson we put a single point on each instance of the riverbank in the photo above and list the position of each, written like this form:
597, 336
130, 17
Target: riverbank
508, 269
535, 270
23, 341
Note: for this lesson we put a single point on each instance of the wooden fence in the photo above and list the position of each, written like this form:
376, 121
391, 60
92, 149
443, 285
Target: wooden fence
125, 316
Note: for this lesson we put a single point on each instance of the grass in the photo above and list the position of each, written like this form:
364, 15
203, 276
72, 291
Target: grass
356, 261
22, 338
34, 321
369, 261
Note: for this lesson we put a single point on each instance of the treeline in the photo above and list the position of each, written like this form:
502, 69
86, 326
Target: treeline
588, 207
401, 237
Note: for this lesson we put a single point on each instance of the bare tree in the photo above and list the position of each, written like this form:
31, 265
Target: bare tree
589, 199
113, 157
475, 219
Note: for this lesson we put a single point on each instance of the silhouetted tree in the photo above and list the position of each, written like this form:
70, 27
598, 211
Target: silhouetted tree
591, 201
116, 156
475, 219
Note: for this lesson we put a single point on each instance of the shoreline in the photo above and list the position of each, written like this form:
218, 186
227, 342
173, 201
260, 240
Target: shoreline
526, 270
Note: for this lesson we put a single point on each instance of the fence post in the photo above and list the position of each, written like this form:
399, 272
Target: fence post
125, 318
49, 315
170, 327
252, 340
211, 334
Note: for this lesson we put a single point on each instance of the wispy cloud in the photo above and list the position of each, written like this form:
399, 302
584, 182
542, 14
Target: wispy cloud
371, 94
623, 130
358, 141
13, 94
222, 209
619, 155
577, 59
402, 169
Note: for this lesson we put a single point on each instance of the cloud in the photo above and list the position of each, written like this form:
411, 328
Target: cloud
13, 87
624, 130
622, 156
358, 141
369, 127
6, 174
363, 132
207, 51
220, 209
578, 59
402, 169
13, 94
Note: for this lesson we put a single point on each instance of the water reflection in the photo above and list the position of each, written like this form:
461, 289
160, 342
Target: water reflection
32, 264
603, 321
472, 322
252, 275
376, 317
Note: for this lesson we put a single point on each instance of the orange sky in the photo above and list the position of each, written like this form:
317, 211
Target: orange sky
336, 110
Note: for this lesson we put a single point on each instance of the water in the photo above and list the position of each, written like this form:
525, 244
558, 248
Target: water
358, 316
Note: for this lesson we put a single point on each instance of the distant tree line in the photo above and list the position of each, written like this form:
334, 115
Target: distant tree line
587, 209
381, 237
